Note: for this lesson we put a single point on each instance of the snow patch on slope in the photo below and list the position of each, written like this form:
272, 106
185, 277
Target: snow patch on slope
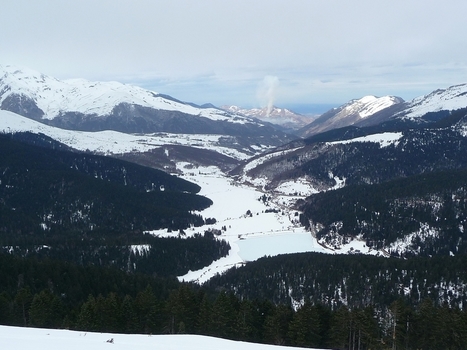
367, 106
411, 242
385, 139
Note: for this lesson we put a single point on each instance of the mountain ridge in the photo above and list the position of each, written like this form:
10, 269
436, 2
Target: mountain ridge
78, 104
283, 117
349, 113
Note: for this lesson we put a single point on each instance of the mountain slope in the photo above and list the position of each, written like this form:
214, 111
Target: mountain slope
350, 113
95, 106
283, 117
419, 215
452, 98
161, 150
349, 280
309, 167
45, 190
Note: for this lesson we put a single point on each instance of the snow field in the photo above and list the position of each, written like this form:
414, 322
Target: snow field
18, 338
113, 142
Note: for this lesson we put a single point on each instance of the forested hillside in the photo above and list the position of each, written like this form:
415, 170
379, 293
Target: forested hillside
387, 153
62, 295
94, 210
419, 215
354, 280
45, 191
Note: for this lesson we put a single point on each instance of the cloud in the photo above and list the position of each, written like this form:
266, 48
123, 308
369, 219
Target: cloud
233, 51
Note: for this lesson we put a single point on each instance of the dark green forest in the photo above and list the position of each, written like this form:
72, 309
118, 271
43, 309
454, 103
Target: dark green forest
354, 280
56, 294
434, 204
94, 210
46, 191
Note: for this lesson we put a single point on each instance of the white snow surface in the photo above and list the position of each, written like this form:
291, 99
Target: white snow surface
368, 105
54, 96
113, 142
384, 139
18, 338
452, 98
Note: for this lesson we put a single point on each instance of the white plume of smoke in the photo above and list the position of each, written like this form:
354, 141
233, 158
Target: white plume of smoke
267, 92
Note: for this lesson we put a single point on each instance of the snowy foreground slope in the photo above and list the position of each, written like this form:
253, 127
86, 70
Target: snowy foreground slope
17, 338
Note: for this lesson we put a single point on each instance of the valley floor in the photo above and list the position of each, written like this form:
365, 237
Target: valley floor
253, 228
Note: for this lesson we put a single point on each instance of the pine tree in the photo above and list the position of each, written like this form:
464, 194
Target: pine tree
46, 310
87, 319
5, 309
340, 333
130, 322
305, 327
23, 299
148, 310
203, 322
276, 325
224, 315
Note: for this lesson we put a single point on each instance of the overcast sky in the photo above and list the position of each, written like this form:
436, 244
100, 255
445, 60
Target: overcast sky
244, 52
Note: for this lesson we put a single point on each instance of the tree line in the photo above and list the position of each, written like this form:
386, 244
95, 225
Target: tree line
62, 295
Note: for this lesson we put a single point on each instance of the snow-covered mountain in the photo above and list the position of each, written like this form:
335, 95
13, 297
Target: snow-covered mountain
452, 98
371, 110
280, 116
350, 113
53, 98
79, 104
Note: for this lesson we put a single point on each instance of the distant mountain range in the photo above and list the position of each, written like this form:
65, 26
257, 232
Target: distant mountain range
283, 117
79, 104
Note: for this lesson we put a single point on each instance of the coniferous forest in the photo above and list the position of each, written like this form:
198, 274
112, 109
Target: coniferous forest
46, 293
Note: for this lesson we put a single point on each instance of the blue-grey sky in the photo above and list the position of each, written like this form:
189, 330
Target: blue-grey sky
296, 52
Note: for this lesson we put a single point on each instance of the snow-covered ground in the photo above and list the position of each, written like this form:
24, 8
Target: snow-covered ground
18, 338
251, 231
114, 142
384, 139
